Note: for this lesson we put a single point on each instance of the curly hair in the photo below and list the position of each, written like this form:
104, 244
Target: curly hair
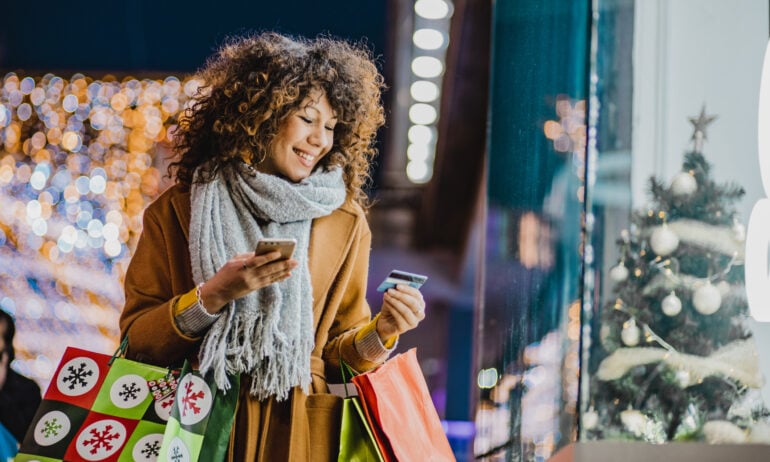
253, 83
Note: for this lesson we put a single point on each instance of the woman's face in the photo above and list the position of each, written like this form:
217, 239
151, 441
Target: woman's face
302, 140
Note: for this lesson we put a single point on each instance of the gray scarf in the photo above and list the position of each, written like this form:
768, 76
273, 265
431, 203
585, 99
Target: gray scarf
267, 334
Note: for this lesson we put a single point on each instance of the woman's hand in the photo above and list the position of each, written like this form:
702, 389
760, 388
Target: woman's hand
242, 275
402, 310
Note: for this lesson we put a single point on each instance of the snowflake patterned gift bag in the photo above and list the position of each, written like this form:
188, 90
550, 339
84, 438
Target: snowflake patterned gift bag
100, 408
201, 419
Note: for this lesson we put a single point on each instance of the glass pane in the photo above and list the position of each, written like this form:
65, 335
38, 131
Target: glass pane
670, 352
527, 356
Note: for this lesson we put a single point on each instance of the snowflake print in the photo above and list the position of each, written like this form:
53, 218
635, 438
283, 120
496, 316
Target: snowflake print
101, 439
176, 454
190, 399
51, 428
146, 449
194, 400
151, 450
78, 376
130, 391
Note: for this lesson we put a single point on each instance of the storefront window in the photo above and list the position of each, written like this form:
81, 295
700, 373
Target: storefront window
670, 352
625, 179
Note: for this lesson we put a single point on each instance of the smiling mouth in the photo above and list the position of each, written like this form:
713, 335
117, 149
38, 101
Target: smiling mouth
304, 156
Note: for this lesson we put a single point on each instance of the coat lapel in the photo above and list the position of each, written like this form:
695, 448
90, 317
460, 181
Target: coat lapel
330, 239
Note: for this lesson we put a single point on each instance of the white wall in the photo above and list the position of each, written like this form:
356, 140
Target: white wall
689, 53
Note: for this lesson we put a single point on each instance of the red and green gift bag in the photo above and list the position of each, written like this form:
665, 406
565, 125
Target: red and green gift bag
100, 408
201, 419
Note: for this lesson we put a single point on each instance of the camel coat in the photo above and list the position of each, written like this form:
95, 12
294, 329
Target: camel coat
303, 427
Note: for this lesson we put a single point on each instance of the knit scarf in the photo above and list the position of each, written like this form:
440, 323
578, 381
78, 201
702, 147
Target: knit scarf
268, 333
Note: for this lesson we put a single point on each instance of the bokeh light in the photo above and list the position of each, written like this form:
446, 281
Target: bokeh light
80, 159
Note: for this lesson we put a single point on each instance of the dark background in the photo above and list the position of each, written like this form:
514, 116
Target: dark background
165, 36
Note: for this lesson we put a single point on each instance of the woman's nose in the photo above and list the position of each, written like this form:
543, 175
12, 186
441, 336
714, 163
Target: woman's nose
319, 136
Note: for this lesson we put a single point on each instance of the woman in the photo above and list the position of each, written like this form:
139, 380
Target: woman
277, 144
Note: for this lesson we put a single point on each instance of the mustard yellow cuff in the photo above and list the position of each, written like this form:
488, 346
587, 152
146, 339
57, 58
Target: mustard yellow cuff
370, 345
185, 301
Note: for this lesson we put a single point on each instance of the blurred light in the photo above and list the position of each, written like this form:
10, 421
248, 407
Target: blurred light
111, 232
428, 39
71, 141
27, 85
39, 226
424, 91
417, 171
33, 209
431, 9
112, 248
95, 228
487, 378
420, 134
427, 67
23, 112
423, 114
9, 305
97, 185
418, 152
70, 103
37, 180
83, 184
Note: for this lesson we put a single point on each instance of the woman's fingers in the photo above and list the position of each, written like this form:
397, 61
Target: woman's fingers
409, 297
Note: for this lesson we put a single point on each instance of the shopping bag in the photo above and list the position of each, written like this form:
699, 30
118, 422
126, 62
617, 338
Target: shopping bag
399, 408
100, 408
201, 419
357, 442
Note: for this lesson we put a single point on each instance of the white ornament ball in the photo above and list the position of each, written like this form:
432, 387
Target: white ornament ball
630, 334
706, 299
671, 305
590, 419
664, 241
619, 273
723, 432
683, 184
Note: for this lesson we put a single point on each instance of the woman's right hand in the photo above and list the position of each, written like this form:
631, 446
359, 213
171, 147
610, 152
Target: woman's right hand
243, 274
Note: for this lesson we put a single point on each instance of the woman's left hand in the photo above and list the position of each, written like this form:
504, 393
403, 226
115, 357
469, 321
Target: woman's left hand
402, 310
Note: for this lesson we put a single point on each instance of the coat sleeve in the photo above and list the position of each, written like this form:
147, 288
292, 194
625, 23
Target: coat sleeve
155, 278
353, 311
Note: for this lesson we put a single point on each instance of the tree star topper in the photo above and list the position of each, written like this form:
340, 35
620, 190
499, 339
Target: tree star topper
699, 126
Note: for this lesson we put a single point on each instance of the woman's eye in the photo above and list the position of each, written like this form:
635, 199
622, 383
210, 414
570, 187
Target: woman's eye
331, 129
305, 119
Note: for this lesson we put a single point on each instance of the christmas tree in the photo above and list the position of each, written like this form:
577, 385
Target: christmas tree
676, 360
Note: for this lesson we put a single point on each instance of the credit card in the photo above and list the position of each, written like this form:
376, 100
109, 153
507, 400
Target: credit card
402, 277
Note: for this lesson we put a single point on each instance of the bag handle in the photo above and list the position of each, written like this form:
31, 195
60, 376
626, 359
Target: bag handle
346, 378
120, 351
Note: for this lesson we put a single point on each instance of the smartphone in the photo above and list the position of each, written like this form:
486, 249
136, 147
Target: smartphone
402, 277
283, 245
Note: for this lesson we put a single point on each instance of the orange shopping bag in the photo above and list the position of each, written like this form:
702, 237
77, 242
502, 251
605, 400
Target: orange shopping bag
400, 410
